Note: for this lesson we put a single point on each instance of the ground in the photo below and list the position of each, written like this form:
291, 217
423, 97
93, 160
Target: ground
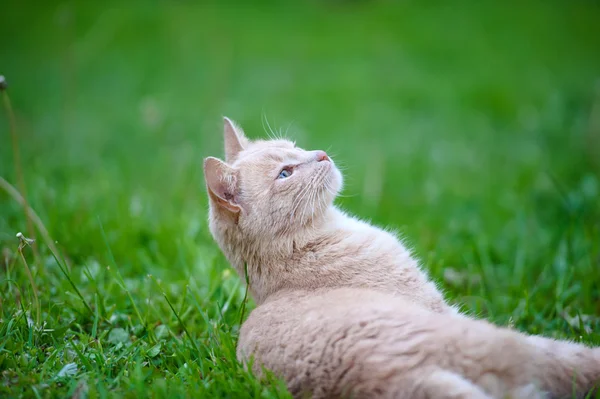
473, 129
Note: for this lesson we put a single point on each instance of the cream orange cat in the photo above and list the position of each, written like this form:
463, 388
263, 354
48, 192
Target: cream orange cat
271, 209
344, 309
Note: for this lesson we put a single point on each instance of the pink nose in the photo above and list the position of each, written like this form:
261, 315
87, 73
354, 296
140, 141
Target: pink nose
321, 156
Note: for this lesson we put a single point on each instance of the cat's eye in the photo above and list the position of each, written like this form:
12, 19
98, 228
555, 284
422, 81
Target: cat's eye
285, 172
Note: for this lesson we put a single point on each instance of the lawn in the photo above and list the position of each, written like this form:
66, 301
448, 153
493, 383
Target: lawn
472, 128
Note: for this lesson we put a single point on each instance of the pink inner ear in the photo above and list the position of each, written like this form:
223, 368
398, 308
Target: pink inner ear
220, 184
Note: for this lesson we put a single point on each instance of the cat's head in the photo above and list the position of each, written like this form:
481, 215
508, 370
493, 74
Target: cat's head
265, 189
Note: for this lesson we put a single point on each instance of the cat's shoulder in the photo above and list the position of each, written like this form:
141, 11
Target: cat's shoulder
346, 221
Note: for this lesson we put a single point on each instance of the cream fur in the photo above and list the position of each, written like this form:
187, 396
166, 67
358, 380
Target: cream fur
343, 306
368, 344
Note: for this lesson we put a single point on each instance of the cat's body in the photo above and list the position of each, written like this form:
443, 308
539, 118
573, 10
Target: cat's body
317, 274
359, 343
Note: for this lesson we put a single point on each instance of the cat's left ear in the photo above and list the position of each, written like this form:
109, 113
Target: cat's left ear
222, 184
235, 140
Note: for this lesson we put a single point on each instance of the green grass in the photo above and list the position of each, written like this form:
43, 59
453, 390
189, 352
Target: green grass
467, 127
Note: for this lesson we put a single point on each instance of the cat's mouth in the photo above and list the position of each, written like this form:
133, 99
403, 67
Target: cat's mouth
328, 177
325, 163
324, 169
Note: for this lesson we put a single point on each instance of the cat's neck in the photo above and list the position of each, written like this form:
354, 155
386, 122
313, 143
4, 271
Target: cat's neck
269, 250
335, 251
300, 259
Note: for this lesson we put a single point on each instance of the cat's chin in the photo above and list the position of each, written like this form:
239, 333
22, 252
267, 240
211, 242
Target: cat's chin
332, 187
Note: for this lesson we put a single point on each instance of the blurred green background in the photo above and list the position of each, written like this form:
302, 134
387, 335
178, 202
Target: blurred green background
471, 127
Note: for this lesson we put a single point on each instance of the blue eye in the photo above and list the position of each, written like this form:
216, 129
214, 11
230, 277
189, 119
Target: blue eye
284, 173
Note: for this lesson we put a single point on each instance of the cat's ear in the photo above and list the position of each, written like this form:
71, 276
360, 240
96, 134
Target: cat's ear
235, 141
222, 184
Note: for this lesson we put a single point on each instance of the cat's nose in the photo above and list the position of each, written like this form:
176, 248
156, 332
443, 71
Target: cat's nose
321, 156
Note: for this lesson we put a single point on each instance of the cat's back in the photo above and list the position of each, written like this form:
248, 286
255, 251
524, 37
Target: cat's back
360, 229
334, 339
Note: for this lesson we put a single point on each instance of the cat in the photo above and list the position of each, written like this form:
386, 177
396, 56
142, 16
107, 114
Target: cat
271, 211
343, 307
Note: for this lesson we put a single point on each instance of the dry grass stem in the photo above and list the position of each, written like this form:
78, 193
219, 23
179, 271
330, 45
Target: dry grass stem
17, 160
12, 191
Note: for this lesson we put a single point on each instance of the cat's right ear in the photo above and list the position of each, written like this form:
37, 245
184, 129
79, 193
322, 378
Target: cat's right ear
235, 140
222, 184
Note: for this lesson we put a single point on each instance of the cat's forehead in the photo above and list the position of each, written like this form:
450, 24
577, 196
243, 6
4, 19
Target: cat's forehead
261, 145
268, 151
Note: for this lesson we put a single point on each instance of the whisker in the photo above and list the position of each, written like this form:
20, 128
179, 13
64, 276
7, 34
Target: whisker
288, 128
308, 204
345, 195
321, 205
303, 210
312, 197
270, 129
298, 200
313, 202
317, 200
